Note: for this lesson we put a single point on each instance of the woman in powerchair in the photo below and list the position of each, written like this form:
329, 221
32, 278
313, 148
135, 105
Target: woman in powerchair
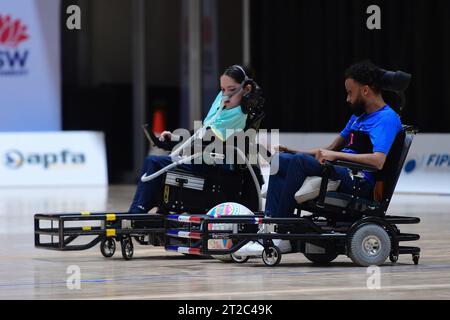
234, 82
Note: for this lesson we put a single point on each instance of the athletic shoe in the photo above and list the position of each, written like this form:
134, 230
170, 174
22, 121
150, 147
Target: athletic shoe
283, 245
252, 248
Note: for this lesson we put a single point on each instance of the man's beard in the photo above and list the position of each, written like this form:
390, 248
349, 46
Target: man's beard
358, 107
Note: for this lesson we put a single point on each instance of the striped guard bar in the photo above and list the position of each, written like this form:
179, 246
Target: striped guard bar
187, 250
184, 234
185, 218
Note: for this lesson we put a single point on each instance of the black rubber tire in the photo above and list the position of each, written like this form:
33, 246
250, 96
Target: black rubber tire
224, 258
393, 258
238, 259
108, 247
321, 258
271, 256
369, 236
127, 248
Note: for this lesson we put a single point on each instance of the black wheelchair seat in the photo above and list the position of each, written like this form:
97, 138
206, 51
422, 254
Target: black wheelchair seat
343, 200
333, 202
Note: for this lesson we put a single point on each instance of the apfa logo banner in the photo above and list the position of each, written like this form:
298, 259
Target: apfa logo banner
53, 159
13, 58
16, 159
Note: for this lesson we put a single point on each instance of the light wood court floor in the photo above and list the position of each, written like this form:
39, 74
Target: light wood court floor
29, 273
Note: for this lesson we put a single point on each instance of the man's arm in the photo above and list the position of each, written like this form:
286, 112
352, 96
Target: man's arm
337, 144
376, 159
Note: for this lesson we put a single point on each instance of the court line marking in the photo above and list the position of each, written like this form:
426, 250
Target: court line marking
191, 295
178, 277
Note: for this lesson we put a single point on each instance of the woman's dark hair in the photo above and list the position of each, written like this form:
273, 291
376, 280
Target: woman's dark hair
235, 72
366, 73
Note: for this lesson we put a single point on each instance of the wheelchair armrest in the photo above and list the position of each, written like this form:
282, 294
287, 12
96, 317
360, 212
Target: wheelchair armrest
354, 166
327, 172
165, 145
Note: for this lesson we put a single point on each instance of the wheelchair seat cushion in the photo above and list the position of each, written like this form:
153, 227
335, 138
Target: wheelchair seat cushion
311, 188
342, 200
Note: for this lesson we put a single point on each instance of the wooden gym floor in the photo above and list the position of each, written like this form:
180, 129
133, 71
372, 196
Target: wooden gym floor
29, 273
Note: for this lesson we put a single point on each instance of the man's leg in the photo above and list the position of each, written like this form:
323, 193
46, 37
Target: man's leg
347, 184
301, 166
147, 193
276, 182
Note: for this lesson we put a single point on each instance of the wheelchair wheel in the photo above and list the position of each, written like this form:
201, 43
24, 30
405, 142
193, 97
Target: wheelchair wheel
393, 258
271, 256
127, 248
224, 258
108, 247
321, 258
416, 258
369, 245
141, 240
238, 259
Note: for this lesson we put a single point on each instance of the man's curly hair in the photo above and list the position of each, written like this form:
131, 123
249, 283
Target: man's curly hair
365, 73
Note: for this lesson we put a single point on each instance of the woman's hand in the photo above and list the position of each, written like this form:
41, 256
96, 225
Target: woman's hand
323, 155
165, 135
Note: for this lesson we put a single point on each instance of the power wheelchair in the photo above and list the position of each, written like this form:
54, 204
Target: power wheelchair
333, 224
337, 223
183, 192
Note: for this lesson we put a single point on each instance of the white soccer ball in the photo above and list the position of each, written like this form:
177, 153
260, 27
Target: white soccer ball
225, 209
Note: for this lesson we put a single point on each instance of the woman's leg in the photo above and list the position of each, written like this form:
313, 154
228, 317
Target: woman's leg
147, 193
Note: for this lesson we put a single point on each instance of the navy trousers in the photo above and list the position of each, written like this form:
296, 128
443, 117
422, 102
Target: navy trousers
149, 193
292, 172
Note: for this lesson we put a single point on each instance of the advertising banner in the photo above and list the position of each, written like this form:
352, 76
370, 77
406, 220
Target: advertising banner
30, 75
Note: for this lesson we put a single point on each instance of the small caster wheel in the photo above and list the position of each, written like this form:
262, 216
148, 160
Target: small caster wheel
416, 258
127, 248
140, 240
238, 259
393, 258
271, 256
108, 247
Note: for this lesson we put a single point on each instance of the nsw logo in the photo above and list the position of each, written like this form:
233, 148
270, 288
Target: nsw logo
13, 58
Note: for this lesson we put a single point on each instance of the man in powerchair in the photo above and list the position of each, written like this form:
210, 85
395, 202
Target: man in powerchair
367, 139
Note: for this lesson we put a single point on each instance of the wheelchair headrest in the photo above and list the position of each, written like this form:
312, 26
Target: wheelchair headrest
252, 105
253, 100
397, 81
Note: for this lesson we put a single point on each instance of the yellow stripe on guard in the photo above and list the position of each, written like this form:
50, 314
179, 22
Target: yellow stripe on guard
85, 213
166, 194
110, 232
86, 228
110, 217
